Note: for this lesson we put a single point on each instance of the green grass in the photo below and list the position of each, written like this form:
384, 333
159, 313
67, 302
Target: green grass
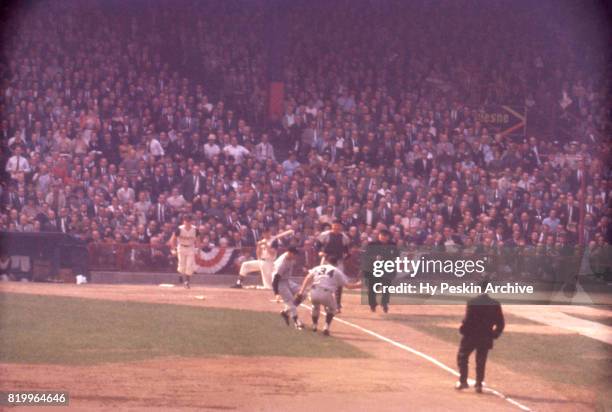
64, 330
566, 359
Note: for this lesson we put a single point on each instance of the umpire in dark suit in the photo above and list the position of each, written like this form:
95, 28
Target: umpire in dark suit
381, 249
334, 243
483, 322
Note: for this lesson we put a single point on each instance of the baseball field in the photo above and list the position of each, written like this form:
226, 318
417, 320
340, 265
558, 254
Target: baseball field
132, 347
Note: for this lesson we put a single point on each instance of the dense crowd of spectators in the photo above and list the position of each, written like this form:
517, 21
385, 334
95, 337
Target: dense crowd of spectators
114, 122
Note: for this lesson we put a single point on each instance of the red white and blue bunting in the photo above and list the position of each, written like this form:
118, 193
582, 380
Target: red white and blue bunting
213, 260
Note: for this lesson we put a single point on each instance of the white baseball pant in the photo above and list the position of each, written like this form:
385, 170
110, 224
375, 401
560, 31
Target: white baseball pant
287, 290
186, 261
323, 296
263, 266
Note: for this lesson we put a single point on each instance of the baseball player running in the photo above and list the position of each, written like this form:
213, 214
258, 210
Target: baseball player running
184, 241
325, 280
265, 252
285, 287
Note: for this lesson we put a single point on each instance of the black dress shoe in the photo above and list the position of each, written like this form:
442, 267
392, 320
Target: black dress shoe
461, 385
478, 388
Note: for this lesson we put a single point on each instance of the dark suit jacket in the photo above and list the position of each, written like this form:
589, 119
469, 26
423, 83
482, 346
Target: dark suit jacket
363, 217
67, 225
385, 215
189, 191
575, 182
505, 202
423, 166
483, 322
189, 127
154, 213
539, 215
528, 230
478, 208
180, 148
394, 175
157, 186
49, 226
173, 181
452, 218
10, 200
565, 213
249, 240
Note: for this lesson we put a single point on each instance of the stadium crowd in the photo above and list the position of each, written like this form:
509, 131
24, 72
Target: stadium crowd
115, 123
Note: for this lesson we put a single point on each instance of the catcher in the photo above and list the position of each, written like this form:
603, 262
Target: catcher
325, 280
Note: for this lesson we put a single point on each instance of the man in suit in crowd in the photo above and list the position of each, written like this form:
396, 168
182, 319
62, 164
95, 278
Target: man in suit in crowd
161, 212
450, 212
63, 221
193, 184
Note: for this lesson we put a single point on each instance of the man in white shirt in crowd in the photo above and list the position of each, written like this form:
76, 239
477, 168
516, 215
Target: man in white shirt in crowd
155, 147
17, 163
176, 200
125, 193
235, 150
291, 164
15, 141
43, 179
552, 221
211, 148
142, 208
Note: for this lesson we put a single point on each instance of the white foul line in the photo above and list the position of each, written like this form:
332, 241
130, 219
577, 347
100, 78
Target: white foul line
427, 358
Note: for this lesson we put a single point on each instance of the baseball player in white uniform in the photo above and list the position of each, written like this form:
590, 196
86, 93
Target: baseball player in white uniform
325, 280
265, 252
284, 287
184, 240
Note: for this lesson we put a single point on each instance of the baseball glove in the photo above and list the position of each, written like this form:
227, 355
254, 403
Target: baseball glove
298, 299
